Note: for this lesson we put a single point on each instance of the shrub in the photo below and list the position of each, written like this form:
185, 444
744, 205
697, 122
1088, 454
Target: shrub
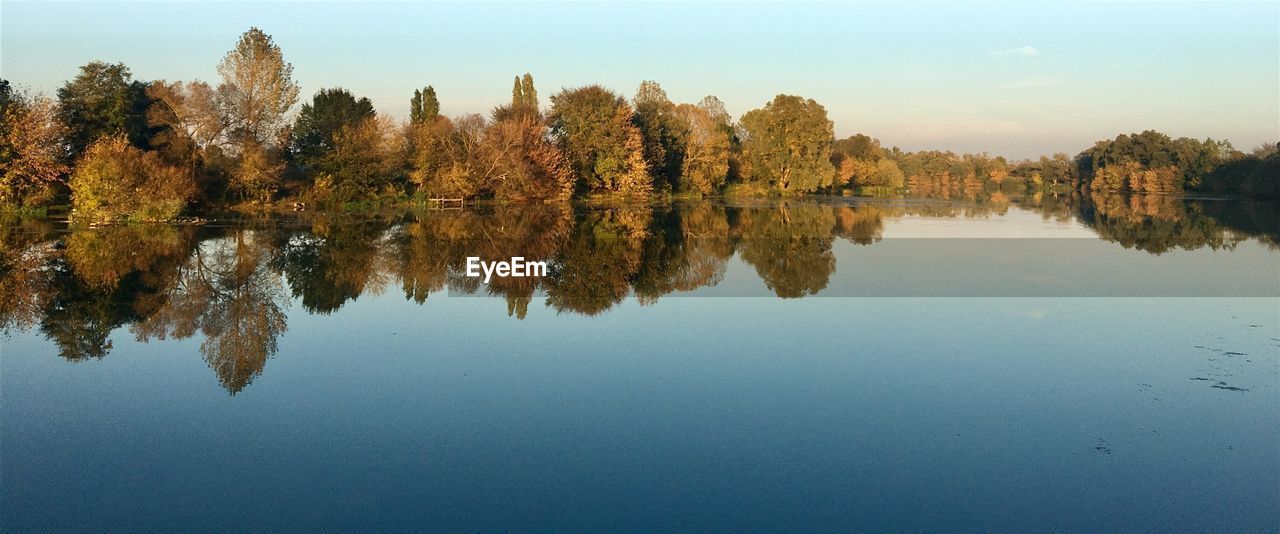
117, 182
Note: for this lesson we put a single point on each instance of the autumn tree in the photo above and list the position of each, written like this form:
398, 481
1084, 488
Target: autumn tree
449, 162
117, 181
787, 145
1151, 161
426, 150
706, 147
258, 172
188, 120
92, 297
258, 89
103, 100
593, 128
527, 165
716, 110
330, 110
30, 150
720, 115
365, 158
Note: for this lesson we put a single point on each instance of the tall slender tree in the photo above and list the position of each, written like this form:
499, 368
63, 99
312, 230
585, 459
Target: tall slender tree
430, 104
424, 107
415, 107
529, 95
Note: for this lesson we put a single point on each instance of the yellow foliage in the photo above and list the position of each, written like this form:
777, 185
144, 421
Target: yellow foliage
116, 181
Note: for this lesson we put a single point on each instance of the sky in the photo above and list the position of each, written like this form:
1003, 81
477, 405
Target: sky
1014, 79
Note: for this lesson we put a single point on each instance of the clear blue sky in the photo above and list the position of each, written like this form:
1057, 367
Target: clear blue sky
1017, 79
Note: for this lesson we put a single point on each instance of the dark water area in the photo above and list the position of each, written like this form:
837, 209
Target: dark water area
808, 364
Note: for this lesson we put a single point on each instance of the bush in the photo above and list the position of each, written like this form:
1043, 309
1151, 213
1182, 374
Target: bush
117, 182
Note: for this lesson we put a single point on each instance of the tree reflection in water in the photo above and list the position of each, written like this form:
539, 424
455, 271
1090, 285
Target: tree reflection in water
232, 285
227, 292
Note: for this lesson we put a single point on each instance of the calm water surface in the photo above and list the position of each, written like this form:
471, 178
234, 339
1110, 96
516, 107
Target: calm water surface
1093, 364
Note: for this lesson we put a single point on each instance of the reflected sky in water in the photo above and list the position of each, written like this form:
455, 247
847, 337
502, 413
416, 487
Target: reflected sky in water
330, 373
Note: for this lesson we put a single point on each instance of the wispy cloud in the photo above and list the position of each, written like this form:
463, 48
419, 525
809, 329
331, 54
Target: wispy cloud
1032, 83
1025, 51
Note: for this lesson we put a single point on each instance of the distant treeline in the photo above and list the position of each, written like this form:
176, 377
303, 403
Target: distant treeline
115, 148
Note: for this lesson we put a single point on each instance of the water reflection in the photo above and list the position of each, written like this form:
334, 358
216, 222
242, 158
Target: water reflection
227, 291
232, 284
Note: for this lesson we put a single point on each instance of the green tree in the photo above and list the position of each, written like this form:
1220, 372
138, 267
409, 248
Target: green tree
662, 129
789, 246
594, 129
524, 101
787, 145
415, 107
6, 95
859, 146
330, 110
102, 100
1127, 162
529, 95
424, 107
886, 174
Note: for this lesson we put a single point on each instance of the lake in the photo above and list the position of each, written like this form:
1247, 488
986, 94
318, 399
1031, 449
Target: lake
1068, 363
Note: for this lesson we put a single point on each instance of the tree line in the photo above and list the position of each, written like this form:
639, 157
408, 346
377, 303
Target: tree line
115, 148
